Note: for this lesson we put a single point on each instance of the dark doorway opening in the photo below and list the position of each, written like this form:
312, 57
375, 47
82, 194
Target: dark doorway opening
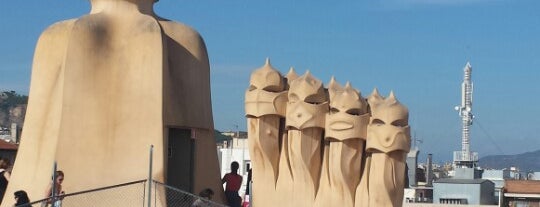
180, 159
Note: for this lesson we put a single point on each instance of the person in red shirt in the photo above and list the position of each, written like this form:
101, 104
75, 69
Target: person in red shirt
234, 181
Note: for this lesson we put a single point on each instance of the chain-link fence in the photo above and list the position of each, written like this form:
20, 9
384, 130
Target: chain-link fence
130, 194
164, 195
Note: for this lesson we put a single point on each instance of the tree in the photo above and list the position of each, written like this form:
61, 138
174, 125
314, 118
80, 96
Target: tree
12, 108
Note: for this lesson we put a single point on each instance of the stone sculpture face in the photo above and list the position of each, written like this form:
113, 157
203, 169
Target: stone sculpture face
265, 95
347, 117
307, 89
316, 155
265, 103
389, 129
307, 103
266, 78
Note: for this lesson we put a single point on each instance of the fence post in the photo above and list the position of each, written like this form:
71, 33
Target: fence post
150, 177
53, 186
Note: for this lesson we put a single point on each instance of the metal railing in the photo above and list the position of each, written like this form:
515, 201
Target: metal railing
126, 194
137, 193
459, 156
174, 197
130, 194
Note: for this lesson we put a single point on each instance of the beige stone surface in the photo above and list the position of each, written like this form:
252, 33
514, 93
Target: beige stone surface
387, 146
306, 110
319, 143
104, 88
345, 135
265, 105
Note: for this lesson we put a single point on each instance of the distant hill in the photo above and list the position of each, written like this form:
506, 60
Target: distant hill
220, 137
526, 162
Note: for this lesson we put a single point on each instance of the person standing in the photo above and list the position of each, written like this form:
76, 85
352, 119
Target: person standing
233, 182
56, 201
4, 176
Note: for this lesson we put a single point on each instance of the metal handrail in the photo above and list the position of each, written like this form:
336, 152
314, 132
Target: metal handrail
83, 192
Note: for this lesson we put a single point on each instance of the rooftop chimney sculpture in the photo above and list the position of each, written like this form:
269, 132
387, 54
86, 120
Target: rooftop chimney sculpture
104, 88
312, 146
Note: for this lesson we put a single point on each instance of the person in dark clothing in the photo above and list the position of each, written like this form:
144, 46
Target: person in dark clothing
234, 182
21, 198
4, 176
248, 182
204, 201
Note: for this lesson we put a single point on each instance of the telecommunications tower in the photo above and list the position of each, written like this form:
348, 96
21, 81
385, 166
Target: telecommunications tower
465, 158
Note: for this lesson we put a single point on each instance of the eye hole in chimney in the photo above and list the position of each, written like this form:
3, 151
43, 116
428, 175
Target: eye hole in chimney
354, 112
399, 123
377, 122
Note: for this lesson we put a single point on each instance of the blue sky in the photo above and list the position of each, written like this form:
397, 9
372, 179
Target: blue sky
415, 47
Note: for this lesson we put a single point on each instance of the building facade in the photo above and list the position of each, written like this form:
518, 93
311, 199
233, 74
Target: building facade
235, 149
521, 193
463, 191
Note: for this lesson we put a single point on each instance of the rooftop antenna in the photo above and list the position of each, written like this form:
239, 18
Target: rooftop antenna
465, 158
468, 53
416, 141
